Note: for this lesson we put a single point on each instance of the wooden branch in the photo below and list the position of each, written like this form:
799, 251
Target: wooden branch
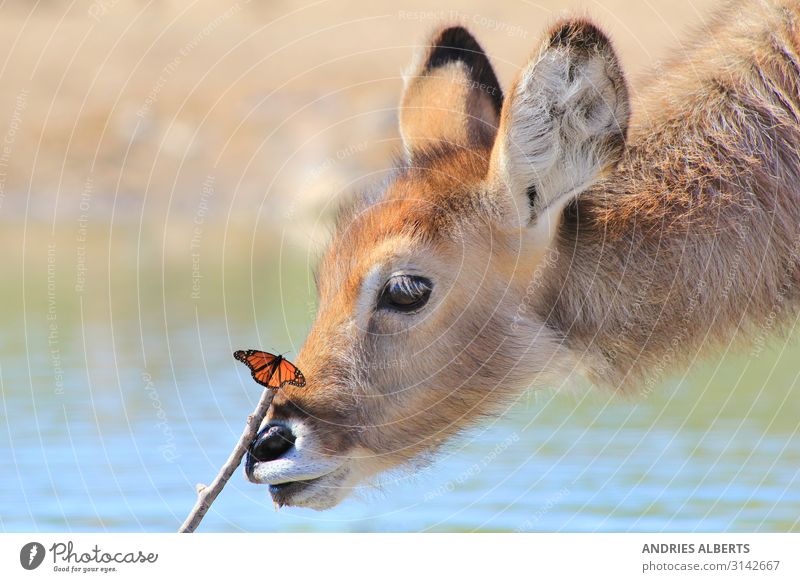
207, 494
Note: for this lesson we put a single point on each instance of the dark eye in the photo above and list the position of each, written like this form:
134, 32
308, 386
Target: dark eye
405, 293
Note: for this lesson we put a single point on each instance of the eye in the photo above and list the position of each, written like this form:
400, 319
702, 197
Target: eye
405, 293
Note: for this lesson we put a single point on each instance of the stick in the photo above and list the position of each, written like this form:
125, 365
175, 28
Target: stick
207, 494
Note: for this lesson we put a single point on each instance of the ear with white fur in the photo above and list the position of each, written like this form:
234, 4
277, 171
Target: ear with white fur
452, 95
562, 126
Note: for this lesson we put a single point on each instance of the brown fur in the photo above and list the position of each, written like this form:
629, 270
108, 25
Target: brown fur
695, 237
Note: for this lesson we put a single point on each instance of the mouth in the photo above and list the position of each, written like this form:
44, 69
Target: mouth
319, 493
283, 493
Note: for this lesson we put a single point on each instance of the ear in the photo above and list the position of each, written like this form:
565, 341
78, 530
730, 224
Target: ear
563, 126
451, 96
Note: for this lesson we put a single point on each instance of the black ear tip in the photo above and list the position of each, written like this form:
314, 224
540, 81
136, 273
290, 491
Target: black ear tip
455, 37
579, 33
454, 43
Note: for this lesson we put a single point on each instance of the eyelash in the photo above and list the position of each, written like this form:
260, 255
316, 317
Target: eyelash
414, 287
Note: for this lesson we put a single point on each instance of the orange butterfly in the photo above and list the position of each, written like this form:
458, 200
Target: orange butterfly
270, 370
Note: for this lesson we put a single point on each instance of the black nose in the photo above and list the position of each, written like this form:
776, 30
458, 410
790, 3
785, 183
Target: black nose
272, 442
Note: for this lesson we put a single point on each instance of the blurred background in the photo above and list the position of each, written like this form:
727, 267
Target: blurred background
168, 174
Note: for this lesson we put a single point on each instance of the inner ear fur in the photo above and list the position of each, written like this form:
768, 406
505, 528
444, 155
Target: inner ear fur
563, 123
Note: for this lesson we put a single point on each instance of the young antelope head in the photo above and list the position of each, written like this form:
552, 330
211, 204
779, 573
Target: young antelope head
427, 292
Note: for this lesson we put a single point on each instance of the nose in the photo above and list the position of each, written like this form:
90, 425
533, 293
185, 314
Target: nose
272, 442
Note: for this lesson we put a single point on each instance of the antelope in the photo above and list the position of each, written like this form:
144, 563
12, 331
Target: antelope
558, 228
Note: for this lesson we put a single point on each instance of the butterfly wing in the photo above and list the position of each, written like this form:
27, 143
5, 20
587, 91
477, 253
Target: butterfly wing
262, 365
288, 373
269, 370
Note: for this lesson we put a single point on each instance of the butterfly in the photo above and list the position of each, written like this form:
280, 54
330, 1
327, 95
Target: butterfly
270, 370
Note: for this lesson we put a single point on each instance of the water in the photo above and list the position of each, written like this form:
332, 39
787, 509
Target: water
120, 395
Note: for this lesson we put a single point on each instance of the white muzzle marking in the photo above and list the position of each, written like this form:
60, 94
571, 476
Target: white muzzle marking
301, 463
